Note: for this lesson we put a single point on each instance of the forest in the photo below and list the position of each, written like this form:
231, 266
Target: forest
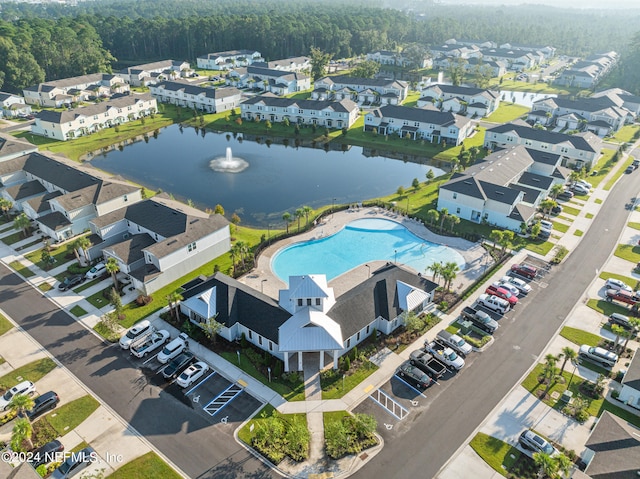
51, 41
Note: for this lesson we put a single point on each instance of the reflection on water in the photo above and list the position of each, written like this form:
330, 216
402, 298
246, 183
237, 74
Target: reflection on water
282, 176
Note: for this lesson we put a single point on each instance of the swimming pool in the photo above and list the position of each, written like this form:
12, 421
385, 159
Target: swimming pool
357, 243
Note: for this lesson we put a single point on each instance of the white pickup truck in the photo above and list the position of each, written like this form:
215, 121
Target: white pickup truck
150, 343
494, 303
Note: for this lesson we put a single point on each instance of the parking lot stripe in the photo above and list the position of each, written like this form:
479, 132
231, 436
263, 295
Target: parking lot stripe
414, 388
199, 384
384, 400
222, 399
150, 359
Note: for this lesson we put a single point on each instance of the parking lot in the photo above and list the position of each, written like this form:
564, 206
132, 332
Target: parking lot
212, 397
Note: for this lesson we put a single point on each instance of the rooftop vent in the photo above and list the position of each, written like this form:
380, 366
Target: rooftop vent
172, 242
194, 221
499, 192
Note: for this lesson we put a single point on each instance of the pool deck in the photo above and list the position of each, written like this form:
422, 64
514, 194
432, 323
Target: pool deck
262, 277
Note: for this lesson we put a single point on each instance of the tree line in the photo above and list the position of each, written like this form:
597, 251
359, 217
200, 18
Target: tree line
50, 41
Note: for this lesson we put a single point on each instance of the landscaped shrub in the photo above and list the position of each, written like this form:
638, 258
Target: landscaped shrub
350, 435
243, 341
346, 365
278, 436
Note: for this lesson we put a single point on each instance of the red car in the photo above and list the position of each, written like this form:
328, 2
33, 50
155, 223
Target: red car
525, 270
504, 294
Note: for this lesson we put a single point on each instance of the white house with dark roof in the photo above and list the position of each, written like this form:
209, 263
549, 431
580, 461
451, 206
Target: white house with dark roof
497, 67
630, 391
332, 114
211, 100
386, 57
621, 98
504, 189
61, 196
155, 72
418, 124
466, 100
516, 60
589, 72
68, 124
278, 82
307, 318
12, 105
12, 147
158, 240
547, 50
582, 149
387, 91
602, 115
612, 450
62, 92
291, 64
228, 60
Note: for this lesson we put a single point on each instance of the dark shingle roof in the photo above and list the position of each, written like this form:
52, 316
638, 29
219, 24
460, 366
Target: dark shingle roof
54, 221
239, 303
191, 89
499, 193
131, 249
579, 142
373, 298
535, 181
95, 109
25, 190
99, 193
10, 145
616, 444
632, 376
543, 157
345, 105
530, 195
418, 114
374, 82
40, 203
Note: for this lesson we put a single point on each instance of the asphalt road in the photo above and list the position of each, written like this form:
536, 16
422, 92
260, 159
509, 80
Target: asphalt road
195, 444
191, 440
460, 408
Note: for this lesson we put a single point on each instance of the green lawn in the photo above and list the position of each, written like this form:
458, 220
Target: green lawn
634, 283
628, 252
620, 412
98, 299
494, 452
412, 98
589, 216
566, 218
44, 287
579, 336
14, 238
570, 211
332, 389
28, 245
476, 140
578, 233
245, 434
149, 466
635, 226
507, 112
105, 333
598, 201
33, 371
619, 172
540, 248
625, 134
77, 311
5, 325
603, 166
278, 385
69, 416
87, 285
606, 308
21, 269
59, 254
560, 227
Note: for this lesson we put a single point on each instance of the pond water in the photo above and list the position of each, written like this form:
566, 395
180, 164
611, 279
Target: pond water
277, 178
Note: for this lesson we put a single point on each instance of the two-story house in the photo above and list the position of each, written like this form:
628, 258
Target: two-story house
371, 90
63, 92
207, 99
228, 60
504, 189
151, 73
589, 72
278, 82
516, 60
12, 106
385, 57
600, 115
331, 114
307, 318
476, 102
158, 240
577, 151
60, 195
547, 50
419, 124
82, 121
291, 64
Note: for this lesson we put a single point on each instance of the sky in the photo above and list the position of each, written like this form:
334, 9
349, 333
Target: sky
603, 4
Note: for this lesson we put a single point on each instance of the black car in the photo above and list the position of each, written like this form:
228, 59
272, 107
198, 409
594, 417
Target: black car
42, 403
556, 210
71, 281
414, 376
565, 195
621, 320
47, 453
177, 365
629, 169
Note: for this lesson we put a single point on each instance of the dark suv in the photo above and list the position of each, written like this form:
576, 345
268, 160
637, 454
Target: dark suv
621, 320
525, 270
71, 281
177, 365
42, 403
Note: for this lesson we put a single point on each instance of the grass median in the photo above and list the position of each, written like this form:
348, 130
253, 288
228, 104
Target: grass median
5, 325
33, 371
149, 466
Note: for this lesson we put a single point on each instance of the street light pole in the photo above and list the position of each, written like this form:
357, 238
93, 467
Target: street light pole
575, 365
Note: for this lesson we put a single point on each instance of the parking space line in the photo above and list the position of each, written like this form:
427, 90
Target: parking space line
414, 388
150, 359
384, 400
222, 399
199, 384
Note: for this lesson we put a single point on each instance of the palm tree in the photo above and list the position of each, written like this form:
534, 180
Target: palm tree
449, 273
82, 244
112, 268
635, 324
564, 464
173, 300
444, 212
618, 331
569, 354
21, 403
235, 252
22, 431
556, 190
547, 464
5, 206
436, 268
307, 211
432, 216
286, 216
22, 222
453, 221
298, 213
